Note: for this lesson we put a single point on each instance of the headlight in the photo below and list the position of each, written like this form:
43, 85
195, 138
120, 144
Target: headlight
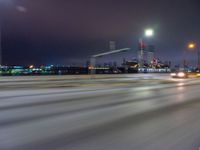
173, 74
198, 75
181, 74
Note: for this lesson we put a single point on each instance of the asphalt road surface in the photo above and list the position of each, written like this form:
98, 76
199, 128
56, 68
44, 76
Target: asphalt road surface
115, 112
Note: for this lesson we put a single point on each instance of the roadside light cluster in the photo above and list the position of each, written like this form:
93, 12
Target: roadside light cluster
179, 75
173, 74
31, 67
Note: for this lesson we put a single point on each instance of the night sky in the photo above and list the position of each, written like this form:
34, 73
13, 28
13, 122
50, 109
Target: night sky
69, 31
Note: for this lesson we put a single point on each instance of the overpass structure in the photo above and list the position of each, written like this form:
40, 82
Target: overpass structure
94, 57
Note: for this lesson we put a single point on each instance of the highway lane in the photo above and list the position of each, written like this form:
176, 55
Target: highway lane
113, 113
37, 82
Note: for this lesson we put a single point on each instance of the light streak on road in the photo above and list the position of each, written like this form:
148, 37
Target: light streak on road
113, 114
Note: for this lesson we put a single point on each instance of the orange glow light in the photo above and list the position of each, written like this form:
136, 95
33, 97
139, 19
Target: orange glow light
191, 46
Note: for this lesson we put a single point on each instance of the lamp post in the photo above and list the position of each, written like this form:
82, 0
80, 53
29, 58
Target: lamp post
147, 33
193, 46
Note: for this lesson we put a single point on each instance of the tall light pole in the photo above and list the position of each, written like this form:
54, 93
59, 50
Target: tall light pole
193, 46
147, 33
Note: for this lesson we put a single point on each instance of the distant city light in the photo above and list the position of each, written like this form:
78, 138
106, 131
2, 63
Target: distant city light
31, 67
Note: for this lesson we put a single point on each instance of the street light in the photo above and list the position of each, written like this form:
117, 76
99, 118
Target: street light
147, 33
193, 46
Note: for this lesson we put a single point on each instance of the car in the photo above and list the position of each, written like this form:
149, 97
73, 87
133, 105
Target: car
179, 74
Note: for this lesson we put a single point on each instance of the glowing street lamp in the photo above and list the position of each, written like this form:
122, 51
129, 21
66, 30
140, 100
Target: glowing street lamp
149, 32
193, 46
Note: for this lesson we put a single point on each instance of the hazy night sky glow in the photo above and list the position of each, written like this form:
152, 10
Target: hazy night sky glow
69, 31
